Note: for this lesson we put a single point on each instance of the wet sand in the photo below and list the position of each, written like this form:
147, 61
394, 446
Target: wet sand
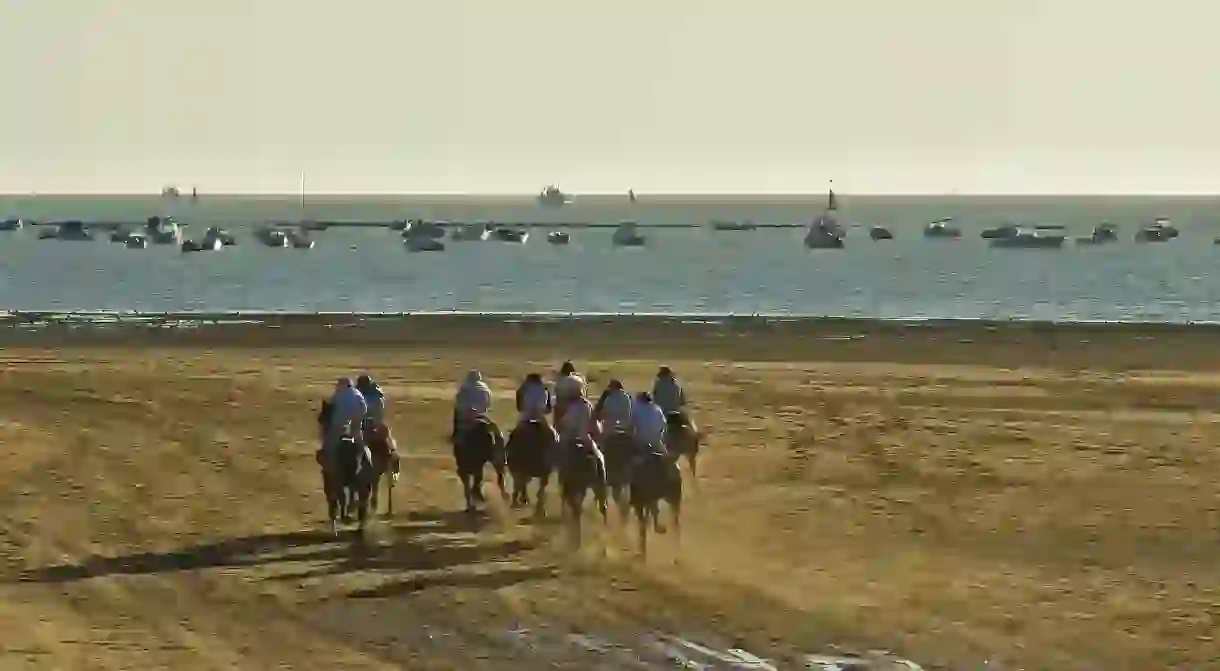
1039, 496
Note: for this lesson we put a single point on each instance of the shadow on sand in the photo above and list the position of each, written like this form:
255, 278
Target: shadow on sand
406, 551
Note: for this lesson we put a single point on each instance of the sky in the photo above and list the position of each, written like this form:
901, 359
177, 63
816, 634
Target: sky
673, 96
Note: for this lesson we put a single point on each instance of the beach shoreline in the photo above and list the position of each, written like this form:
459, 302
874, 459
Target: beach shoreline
1047, 344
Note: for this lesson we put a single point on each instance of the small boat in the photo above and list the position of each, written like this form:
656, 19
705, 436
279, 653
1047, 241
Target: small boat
504, 234
120, 235
942, 229
720, 225
472, 232
68, 230
1103, 233
205, 245
226, 238
12, 224
558, 237
626, 235
170, 192
1159, 230
136, 241
824, 233
163, 231
419, 227
299, 239
1038, 237
1002, 231
272, 237
880, 233
551, 196
420, 243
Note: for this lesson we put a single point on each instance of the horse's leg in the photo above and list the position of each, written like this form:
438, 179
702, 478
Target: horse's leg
540, 506
641, 518
654, 509
692, 458
477, 486
675, 509
389, 496
466, 491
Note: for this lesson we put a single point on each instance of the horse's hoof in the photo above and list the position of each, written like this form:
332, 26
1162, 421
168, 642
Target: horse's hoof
659, 528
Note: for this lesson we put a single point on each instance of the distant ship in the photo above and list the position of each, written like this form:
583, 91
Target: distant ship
170, 192
551, 196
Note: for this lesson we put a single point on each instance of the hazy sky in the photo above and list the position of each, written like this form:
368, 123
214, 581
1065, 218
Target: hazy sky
504, 96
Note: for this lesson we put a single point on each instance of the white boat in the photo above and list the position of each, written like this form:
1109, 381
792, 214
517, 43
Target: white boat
1038, 237
272, 237
420, 243
626, 235
472, 232
12, 224
504, 234
551, 196
1103, 233
163, 231
300, 239
136, 241
558, 237
942, 229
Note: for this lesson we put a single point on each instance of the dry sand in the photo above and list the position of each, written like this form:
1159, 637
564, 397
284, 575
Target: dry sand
1041, 497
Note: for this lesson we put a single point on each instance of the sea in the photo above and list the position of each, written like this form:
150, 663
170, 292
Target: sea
686, 268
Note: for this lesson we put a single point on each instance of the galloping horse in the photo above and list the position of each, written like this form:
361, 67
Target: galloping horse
347, 480
655, 477
581, 471
683, 439
618, 448
384, 452
530, 455
477, 445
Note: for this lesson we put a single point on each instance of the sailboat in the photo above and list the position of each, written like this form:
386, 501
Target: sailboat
825, 231
300, 238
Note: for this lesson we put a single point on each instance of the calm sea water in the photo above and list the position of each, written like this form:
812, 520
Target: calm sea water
681, 271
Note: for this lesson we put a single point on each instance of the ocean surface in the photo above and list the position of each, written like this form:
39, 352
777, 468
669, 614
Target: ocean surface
682, 270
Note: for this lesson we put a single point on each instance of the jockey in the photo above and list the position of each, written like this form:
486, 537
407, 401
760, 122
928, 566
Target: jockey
473, 399
579, 424
568, 387
669, 395
347, 408
374, 397
647, 424
614, 407
534, 401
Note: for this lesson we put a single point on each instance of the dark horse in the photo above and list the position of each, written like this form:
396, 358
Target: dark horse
683, 439
348, 481
530, 451
384, 452
477, 445
581, 472
655, 477
618, 448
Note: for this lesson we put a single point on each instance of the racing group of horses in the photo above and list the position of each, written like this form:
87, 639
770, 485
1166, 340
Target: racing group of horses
636, 480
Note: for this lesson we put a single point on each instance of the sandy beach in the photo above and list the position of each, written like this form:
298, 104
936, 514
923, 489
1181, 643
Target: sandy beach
1036, 496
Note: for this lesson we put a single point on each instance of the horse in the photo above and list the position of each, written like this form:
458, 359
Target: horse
386, 462
683, 439
477, 445
348, 480
581, 472
655, 477
618, 448
530, 456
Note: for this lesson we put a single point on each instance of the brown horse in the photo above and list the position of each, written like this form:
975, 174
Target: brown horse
581, 472
530, 456
477, 445
386, 462
347, 480
683, 439
619, 448
655, 477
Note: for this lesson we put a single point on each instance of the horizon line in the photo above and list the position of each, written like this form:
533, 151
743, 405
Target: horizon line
602, 195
